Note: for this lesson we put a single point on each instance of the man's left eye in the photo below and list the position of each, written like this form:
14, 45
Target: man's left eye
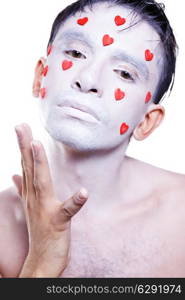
75, 54
125, 75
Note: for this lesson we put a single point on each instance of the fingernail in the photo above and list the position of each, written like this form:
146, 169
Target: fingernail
83, 193
18, 132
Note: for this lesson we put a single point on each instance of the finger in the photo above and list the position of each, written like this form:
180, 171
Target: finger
24, 190
73, 204
17, 180
24, 136
42, 178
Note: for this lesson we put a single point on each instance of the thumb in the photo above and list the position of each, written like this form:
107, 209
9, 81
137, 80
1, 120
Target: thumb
17, 180
71, 206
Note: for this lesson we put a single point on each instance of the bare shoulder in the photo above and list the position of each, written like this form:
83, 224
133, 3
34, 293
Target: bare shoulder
12, 231
10, 205
168, 186
9, 194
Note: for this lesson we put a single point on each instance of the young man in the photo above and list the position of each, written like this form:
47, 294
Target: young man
109, 64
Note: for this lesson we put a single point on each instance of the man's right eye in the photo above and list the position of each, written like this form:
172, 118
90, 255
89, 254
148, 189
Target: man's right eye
75, 54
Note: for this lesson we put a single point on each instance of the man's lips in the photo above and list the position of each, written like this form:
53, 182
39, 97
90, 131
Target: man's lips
80, 107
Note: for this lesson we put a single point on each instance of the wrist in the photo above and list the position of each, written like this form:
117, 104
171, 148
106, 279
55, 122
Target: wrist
33, 269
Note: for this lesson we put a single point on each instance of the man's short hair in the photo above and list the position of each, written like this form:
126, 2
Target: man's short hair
153, 13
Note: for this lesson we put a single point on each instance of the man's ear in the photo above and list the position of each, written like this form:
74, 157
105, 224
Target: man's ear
38, 76
152, 119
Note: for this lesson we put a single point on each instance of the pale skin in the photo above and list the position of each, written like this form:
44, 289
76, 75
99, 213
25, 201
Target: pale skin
133, 223
46, 218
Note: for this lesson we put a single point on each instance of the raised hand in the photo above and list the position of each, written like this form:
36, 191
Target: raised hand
48, 219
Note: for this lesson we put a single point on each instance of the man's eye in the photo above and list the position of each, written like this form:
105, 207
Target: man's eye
75, 54
126, 75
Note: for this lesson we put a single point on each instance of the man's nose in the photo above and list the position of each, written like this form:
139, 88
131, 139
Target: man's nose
87, 82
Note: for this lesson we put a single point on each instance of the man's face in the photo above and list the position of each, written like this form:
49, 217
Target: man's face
97, 66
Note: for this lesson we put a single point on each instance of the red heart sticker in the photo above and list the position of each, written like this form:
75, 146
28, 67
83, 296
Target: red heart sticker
148, 55
49, 49
119, 94
148, 97
119, 20
82, 21
67, 64
45, 70
42, 92
124, 127
107, 40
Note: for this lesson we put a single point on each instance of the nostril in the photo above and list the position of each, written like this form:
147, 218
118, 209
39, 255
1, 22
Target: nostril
94, 90
78, 84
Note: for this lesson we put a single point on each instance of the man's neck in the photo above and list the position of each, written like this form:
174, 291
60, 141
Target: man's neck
105, 175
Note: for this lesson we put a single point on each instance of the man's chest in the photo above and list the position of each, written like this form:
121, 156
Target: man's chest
133, 251
140, 247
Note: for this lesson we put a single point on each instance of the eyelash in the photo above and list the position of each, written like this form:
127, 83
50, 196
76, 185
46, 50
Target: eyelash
75, 54
126, 75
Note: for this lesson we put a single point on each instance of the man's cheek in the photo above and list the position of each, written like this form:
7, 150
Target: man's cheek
55, 77
42, 92
43, 88
45, 71
148, 97
124, 128
130, 109
119, 94
66, 64
49, 49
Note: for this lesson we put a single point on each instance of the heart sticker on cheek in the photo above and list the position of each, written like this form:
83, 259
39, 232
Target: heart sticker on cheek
45, 70
124, 127
119, 94
67, 64
148, 97
42, 92
148, 55
49, 49
119, 20
82, 21
107, 40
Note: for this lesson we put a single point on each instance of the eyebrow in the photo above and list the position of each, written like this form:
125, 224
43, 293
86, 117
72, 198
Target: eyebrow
76, 35
141, 66
119, 54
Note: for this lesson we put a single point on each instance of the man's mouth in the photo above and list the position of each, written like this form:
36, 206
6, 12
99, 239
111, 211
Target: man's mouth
71, 107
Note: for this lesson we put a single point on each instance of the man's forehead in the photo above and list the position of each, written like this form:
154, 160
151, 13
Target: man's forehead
136, 38
101, 18
110, 8
103, 13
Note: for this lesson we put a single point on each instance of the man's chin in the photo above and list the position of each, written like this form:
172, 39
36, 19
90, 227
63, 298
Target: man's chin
72, 138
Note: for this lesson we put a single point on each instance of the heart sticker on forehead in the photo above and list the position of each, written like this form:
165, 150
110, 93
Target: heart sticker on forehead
124, 127
66, 64
82, 21
107, 40
119, 94
119, 20
148, 55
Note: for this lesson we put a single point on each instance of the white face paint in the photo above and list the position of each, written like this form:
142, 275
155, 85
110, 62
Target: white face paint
94, 73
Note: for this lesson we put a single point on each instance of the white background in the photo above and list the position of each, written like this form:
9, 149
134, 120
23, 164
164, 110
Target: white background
25, 27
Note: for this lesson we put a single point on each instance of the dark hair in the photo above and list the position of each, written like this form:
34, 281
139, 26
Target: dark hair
150, 11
